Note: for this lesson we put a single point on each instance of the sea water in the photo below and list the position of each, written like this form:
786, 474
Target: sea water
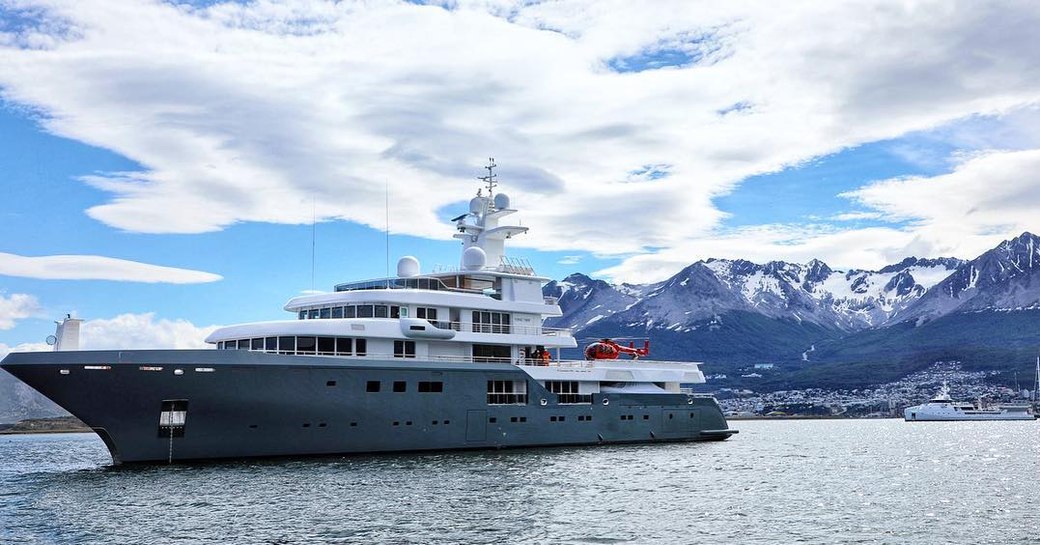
777, 482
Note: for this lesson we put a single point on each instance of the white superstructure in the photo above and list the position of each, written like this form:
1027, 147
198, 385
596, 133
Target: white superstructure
490, 309
942, 407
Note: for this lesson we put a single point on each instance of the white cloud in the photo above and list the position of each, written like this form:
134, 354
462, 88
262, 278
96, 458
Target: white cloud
967, 211
251, 112
23, 347
142, 331
93, 267
16, 307
130, 331
570, 260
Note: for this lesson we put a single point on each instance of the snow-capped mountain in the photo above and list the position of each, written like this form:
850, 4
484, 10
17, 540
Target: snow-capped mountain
811, 292
585, 300
1004, 278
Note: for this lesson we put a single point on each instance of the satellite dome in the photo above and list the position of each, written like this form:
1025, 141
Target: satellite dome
407, 267
501, 201
473, 259
476, 205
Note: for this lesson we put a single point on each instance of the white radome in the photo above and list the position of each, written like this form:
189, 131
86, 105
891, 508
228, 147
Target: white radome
473, 259
407, 267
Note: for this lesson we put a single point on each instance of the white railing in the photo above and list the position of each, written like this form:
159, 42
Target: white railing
523, 362
504, 329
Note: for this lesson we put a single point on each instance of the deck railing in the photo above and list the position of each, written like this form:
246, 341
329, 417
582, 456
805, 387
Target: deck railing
522, 362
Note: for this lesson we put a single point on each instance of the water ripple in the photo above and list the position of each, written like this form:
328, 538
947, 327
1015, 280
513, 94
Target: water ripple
869, 482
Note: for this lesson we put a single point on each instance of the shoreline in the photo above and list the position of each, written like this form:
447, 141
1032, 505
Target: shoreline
60, 424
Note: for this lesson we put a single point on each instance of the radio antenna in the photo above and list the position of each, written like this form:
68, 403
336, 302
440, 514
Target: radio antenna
386, 189
314, 236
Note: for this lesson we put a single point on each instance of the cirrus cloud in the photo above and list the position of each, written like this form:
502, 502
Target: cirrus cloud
94, 267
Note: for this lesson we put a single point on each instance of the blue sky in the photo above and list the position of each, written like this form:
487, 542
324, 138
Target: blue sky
181, 174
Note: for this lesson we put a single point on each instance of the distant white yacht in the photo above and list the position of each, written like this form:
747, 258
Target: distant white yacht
941, 407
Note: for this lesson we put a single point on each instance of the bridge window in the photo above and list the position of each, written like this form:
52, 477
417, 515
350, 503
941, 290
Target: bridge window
306, 345
286, 345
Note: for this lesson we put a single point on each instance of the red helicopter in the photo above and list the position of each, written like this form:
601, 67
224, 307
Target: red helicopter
606, 349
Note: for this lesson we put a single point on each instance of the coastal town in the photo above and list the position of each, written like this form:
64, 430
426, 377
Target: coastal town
884, 401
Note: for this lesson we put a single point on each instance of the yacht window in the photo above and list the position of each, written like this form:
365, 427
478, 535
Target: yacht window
490, 322
271, 343
256, 344
487, 353
395, 311
286, 345
306, 345
243, 344
400, 386
337, 312
365, 311
382, 311
404, 349
303, 314
567, 391
506, 392
326, 313
344, 346
361, 346
350, 311
372, 386
431, 387
426, 313
312, 314
326, 345
220, 345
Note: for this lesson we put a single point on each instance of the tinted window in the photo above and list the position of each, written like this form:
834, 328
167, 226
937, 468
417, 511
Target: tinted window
326, 313
344, 346
399, 386
349, 312
271, 343
365, 311
361, 347
372, 386
326, 344
256, 344
313, 313
306, 345
381, 311
286, 344
337, 312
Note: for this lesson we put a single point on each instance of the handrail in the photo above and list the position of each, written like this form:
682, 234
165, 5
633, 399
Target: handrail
522, 362
504, 329
397, 283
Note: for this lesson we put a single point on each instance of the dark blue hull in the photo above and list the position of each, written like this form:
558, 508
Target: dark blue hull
234, 404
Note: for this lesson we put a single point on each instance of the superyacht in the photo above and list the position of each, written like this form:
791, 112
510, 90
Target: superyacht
420, 361
943, 408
